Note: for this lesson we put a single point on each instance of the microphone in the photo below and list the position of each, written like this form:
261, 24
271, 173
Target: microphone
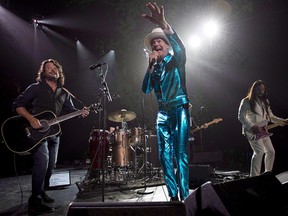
94, 66
152, 63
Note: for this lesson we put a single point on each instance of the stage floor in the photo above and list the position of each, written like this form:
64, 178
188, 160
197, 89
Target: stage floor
120, 185
85, 187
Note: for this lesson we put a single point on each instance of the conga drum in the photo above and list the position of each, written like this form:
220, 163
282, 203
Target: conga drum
99, 139
120, 148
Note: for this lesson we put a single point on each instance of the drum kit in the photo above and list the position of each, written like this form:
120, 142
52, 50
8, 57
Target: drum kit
124, 148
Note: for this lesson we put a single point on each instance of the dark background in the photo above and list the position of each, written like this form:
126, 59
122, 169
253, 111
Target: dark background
252, 45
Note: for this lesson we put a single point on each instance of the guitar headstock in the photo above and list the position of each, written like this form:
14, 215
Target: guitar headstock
96, 107
217, 120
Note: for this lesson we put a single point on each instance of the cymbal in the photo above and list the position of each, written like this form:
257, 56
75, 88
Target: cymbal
122, 116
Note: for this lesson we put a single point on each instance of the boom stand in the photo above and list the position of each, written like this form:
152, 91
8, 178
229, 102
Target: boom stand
107, 95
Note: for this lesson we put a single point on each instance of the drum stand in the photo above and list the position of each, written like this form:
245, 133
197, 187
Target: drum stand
145, 191
135, 161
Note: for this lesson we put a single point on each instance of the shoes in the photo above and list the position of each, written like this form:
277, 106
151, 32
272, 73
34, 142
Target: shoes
46, 198
174, 199
36, 206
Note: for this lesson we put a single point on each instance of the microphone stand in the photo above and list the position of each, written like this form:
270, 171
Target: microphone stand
107, 96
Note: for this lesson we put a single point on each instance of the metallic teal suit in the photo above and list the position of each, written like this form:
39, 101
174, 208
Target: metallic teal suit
169, 83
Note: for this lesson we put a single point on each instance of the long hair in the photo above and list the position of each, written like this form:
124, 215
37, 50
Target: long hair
252, 95
41, 72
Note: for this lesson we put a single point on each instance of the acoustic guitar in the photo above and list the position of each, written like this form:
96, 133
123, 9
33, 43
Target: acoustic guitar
21, 138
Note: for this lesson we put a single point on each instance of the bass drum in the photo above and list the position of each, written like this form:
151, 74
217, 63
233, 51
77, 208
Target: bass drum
95, 149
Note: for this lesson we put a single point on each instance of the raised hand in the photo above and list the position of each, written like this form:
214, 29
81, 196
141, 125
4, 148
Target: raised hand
156, 15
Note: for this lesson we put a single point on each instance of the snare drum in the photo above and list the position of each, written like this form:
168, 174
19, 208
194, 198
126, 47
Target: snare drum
136, 136
96, 151
120, 148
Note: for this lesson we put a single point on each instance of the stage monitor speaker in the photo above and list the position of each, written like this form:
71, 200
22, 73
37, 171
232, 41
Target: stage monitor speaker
261, 195
126, 209
199, 174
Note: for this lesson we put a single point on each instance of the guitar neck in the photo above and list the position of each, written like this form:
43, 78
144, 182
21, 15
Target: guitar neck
201, 127
274, 125
65, 117
206, 125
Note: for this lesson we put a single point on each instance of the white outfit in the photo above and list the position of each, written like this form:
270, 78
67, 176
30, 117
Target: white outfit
263, 145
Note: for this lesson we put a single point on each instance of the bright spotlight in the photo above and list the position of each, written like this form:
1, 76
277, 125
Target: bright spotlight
36, 21
195, 41
211, 28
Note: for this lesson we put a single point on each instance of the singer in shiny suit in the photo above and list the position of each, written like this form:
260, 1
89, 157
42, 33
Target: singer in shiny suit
166, 75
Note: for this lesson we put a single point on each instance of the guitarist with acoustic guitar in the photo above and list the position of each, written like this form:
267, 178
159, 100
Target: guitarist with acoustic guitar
255, 113
46, 96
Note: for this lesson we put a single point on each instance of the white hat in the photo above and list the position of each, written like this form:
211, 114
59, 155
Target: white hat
156, 33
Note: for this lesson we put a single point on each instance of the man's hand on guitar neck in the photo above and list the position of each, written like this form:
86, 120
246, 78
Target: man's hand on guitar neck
85, 112
204, 126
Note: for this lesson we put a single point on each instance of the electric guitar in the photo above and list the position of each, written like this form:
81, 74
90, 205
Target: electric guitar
215, 121
21, 138
263, 132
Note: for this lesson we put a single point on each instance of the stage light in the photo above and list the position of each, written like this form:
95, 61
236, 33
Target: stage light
211, 28
36, 21
195, 41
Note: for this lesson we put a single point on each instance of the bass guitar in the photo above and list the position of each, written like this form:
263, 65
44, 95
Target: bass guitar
206, 125
263, 132
21, 138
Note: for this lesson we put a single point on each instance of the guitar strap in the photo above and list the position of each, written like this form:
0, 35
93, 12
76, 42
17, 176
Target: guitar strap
265, 112
58, 91
69, 93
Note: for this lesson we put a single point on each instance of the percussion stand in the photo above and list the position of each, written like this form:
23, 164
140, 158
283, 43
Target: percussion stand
144, 191
134, 149
106, 96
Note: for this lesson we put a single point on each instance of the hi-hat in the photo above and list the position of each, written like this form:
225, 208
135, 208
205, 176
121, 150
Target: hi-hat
122, 116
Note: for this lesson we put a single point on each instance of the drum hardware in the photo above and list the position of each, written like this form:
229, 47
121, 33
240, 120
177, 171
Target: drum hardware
144, 166
136, 136
135, 165
120, 149
121, 145
134, 160
122, 116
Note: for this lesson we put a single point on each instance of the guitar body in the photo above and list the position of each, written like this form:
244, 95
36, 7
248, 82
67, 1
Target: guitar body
261, 134
21, 138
